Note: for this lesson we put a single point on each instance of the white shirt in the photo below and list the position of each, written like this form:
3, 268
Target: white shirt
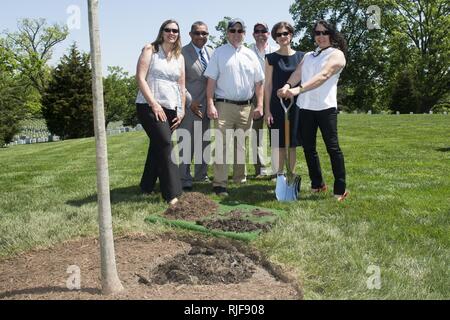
236, 72
162, 79
325, 96
262, 56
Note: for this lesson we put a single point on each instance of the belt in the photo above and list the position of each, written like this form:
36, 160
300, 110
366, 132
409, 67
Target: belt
239, 103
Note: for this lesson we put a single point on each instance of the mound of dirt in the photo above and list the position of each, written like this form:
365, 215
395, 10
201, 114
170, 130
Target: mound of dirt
234, 224
205, 265
192, 206
255, 212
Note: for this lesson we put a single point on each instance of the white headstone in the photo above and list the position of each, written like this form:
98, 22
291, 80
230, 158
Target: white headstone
397, 113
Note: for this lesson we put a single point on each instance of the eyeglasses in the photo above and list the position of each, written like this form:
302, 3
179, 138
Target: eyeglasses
200, 33
169, 30
324, 33
234, 30
260, 31
279, 34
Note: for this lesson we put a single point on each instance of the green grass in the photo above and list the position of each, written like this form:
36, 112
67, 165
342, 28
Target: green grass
397, 216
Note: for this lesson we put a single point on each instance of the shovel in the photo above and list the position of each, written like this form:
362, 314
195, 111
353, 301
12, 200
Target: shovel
288, 186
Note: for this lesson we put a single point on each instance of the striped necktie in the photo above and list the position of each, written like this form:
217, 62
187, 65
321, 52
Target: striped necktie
203, 60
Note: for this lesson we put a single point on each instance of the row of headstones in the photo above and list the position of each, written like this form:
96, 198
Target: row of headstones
27, 140
397, 112
123, 130
20, 140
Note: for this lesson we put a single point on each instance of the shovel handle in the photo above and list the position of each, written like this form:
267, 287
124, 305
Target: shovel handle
287, 137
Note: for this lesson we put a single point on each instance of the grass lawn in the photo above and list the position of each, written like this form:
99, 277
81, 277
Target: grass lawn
397, 217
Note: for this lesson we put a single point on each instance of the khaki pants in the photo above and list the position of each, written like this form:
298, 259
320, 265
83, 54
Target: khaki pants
231, 116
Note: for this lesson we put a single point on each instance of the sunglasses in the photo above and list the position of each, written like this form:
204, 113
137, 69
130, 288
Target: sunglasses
202, 33
279, 34
234, 30
323, 33
168, 30
260, 31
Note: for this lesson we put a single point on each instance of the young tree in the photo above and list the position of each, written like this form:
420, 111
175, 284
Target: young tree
110, 279
67, 102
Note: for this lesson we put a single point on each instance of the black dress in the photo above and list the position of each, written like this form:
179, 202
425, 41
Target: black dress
283, 66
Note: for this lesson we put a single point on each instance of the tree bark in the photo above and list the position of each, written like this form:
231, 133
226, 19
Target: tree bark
110, 279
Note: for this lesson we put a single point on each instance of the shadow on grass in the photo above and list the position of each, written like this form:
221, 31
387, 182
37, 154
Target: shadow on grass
45, 290
443, 149
120, 195
253, 193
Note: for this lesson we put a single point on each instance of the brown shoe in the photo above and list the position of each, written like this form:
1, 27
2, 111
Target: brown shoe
341, 197
323, 188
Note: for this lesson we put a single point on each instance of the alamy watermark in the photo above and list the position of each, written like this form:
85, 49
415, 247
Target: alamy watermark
374, 19
73, 282
228, 147
74, 19
374, 280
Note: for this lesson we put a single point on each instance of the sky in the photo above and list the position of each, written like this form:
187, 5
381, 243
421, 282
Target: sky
126, 26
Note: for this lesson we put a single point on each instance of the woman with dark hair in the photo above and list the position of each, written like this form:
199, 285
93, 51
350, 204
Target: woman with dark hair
278, 69
318, 74
160, 106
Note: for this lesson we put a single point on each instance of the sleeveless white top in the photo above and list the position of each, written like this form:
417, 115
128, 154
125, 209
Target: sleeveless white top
325, 96
162, 79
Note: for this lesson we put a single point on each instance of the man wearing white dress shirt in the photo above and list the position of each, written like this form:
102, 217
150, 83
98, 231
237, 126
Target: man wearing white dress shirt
234, 77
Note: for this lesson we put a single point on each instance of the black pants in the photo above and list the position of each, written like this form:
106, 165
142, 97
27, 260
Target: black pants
159, 163
326, 120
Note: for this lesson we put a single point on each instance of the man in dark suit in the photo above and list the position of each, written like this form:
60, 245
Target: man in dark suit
196, 55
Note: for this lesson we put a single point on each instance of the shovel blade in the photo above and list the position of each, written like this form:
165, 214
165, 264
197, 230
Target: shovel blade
285, 191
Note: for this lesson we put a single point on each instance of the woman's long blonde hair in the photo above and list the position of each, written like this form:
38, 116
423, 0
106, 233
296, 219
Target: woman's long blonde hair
160, 39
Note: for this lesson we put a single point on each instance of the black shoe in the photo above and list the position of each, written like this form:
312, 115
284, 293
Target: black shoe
187, 189
220, 191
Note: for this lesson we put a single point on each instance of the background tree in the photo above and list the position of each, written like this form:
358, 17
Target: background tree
424, 24
222, 28
67, 102
120, 95
11, 99
404, 97
32, 47
411, 36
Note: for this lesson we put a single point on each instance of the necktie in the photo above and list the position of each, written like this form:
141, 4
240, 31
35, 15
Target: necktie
203, 60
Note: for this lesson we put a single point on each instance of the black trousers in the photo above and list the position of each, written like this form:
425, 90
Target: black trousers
159, 163
326, 120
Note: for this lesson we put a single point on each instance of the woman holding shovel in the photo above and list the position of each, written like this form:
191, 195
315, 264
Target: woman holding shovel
278, 69
319, 74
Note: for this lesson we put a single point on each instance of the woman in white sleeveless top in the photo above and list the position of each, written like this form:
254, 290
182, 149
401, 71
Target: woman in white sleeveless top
319, 74
160, 106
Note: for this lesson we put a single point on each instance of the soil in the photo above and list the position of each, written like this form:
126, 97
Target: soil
234, 224
165, 267
204, 264
191, 207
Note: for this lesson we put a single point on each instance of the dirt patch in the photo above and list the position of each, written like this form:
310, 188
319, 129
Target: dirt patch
205, 264
234, 224
191, 206
42, 274
255, 212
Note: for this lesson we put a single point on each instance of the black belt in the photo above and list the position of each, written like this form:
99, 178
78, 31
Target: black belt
239, 103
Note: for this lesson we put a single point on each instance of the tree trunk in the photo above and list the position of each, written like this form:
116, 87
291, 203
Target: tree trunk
110, 279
